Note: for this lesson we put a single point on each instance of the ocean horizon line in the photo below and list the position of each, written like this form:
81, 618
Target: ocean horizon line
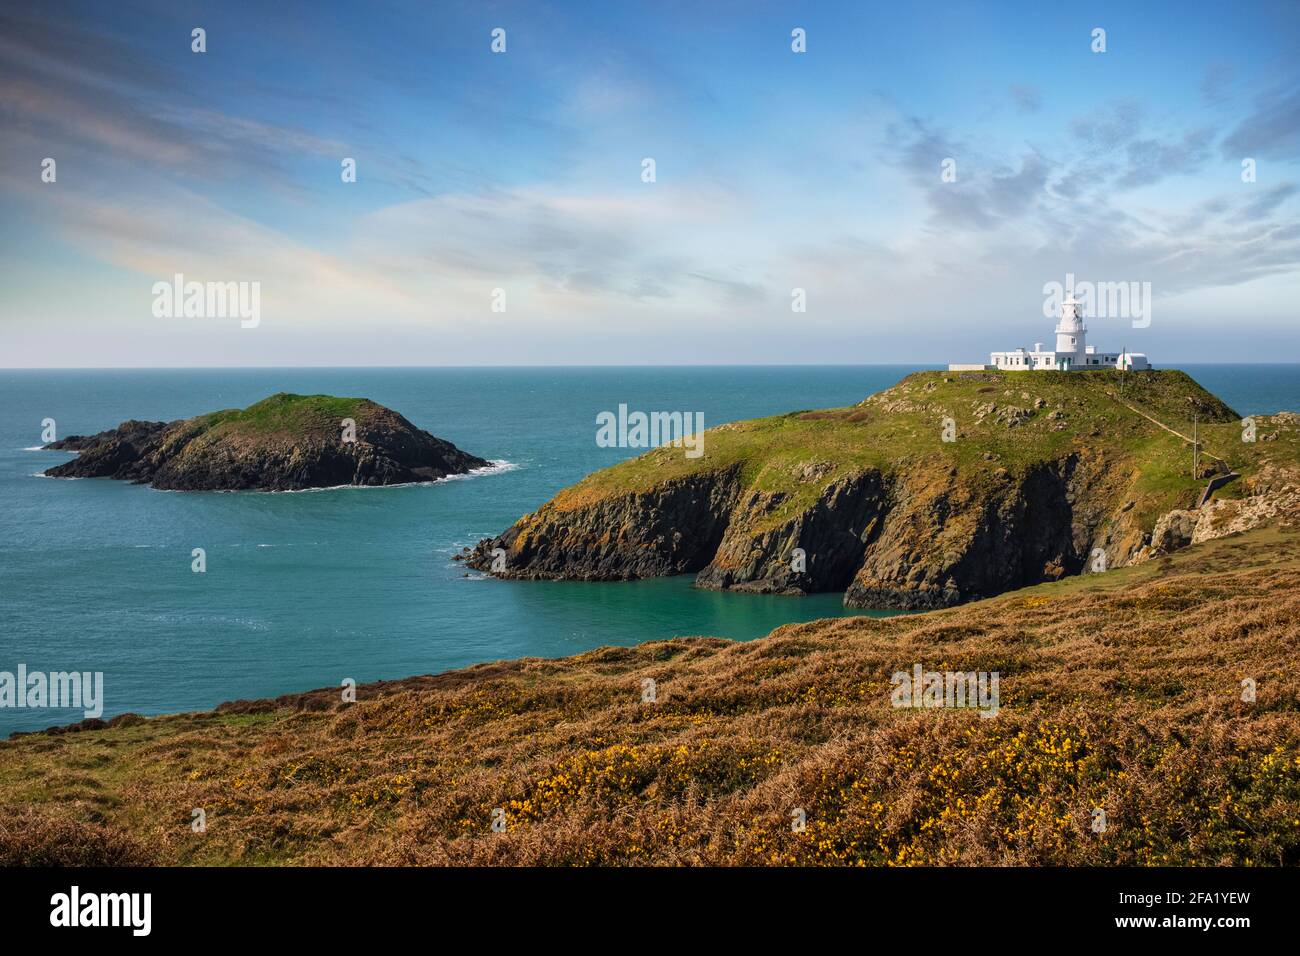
649, 365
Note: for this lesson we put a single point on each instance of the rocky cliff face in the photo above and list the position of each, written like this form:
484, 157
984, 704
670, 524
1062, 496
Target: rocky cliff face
832, 534
1046, 476
120, 452
284, 443
671, 530
943, 541
910, 538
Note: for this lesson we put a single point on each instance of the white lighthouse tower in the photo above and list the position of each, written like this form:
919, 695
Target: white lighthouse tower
1071, 334
1072, 351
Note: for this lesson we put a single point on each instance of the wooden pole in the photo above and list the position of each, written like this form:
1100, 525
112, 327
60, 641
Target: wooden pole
1196, 444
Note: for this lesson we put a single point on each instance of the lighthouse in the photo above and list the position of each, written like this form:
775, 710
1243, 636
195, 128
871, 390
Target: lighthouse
1072, 351
1070, 335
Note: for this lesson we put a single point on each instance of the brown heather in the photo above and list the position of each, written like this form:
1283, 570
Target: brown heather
1119, 690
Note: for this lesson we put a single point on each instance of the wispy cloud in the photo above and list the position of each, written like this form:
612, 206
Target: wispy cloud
1271, 130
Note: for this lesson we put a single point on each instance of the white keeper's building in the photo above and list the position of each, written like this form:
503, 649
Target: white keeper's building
1071, 352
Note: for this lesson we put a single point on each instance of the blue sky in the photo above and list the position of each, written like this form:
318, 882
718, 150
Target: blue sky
522, 171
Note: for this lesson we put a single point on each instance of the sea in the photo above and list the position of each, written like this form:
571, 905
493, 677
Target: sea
307, 589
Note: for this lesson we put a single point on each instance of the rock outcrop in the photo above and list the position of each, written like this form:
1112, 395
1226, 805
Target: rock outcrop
1173, 531
1044, 476
283, 443
833, 531
672, 530
1272, 498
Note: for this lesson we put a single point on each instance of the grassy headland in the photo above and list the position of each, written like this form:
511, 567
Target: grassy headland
945, 488
1019, 420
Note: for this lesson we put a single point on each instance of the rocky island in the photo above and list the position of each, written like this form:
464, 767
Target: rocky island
282, 443
945, 488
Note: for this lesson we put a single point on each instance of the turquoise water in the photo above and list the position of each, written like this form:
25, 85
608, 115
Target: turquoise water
305, 589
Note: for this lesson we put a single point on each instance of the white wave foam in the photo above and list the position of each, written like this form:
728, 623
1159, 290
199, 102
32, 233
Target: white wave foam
495, 467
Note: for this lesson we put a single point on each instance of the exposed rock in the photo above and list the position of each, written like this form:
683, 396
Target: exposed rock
1173, 531
944, 543
1276, 501
832, 535
120, 452
1008, 415
813, 470
674, 530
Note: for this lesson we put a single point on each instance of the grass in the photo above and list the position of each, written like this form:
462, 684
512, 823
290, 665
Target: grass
286, 412
1119, 691
1055, 415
